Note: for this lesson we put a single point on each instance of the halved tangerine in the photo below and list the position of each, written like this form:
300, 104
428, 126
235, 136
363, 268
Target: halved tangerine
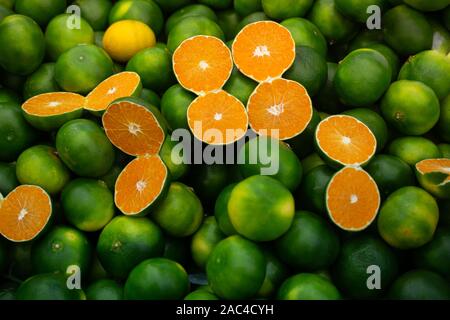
263, 50
24, 213
344, 140
120, 85
280, 108
133, 128
434, 176
202, 64
352, 199
217, 118
49, 111
141, 183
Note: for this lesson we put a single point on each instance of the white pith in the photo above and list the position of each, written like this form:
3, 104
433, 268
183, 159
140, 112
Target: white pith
203, 65
276, 109
261, 51
23, 212
346, 140
54, 104
112, 90
134, 128
141, 185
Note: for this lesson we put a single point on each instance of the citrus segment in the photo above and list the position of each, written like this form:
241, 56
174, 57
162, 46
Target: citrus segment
133, 128
217, 118
263, 50
352, 199
434, 176
49, 111
140, 184
24, 213
202, 64
345, 140
123, 84
281, 109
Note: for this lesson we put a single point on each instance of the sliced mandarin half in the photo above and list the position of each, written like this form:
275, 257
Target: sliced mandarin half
217, 118
434, 176
344, 140
263, 50
24, 213
49, 111
141, 183
202, 64
120, 85
280, 108
352, 199
133, 128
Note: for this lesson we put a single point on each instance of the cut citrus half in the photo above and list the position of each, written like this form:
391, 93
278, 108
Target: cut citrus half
141, 183
133, 128
202, 64
281, 109
24, 213
434, 176
217, 118
49, 111
120, 85
344, 140
352, 199
263, 50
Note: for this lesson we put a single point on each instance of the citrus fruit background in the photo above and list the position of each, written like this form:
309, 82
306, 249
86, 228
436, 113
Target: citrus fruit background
224, 230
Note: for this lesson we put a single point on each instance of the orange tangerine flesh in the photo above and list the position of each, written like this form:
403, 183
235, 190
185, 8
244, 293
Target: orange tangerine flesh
202, 64
123, 84
435, 165
281, 109
352, 199
133, 128
346, 140
217, 118
24, 213
263, 50
140, 184
54, 103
